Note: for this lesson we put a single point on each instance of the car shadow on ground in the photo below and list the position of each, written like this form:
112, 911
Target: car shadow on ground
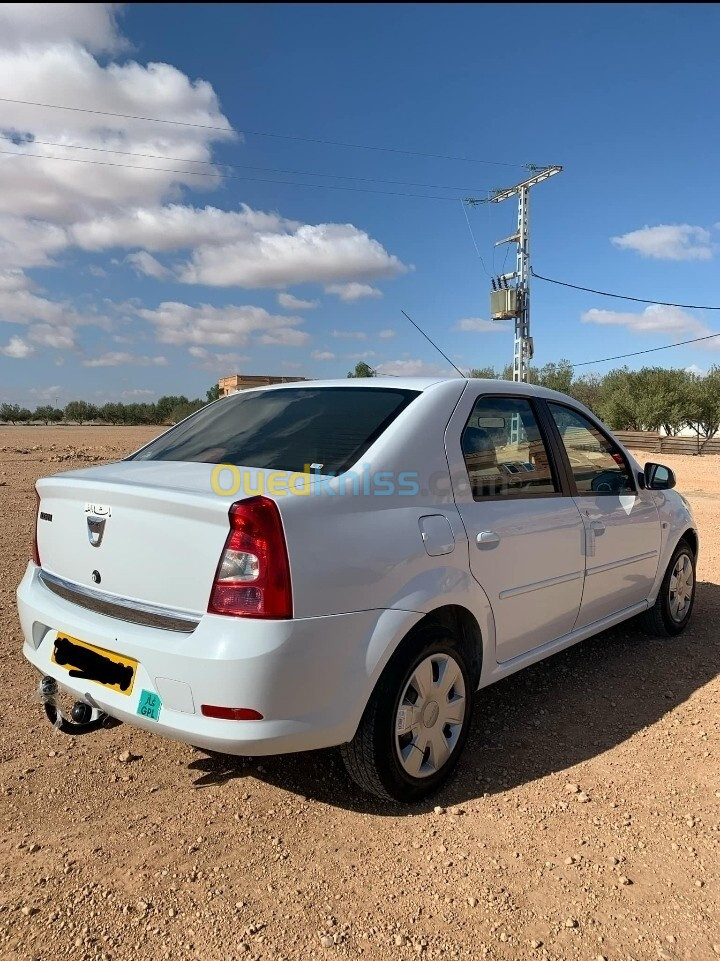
546, 718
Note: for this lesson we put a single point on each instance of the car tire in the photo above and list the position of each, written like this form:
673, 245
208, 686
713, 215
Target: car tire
416, 722
670, 614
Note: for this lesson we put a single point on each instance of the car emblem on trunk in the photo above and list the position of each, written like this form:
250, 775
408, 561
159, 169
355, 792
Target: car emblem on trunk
96, 529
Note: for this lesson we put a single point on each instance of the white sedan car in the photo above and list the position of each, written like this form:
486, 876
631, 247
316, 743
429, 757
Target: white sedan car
346, 563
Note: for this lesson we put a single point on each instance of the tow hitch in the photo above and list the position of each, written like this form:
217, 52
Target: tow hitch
83, 717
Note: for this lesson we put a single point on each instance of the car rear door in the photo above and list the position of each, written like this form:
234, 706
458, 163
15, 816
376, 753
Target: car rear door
621, 521
524, 529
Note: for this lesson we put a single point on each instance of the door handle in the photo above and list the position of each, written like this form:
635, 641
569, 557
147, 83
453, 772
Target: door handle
597, 527
487, 540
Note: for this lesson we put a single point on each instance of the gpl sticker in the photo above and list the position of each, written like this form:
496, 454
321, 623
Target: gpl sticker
149, 705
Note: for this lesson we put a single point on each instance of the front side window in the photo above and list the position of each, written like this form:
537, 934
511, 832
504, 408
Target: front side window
598, 465
321, 429
504, 451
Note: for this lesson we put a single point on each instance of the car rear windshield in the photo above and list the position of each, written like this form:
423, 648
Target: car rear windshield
322, 430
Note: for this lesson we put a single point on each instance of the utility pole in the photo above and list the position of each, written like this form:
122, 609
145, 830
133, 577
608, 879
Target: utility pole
514, 302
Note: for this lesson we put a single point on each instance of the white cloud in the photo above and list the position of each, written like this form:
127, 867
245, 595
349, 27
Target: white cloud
656, 319
58, 336
363, 355
29, 243
22, 306
13, 280
65, 192
292, 254
668, 242
247, 248
411, 368
17, 348
19, 304
290, 365
46, 393
353, 291
91, 24
147, 265
479, 326
349, 334
178, 323
46, 55
62, 53
386, 334
116, 358
217, 362
138, 393
290, 302
694, 369
323, 355
285, 337
172, 227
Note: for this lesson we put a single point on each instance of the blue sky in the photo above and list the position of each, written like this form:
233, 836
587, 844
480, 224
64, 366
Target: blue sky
127, 284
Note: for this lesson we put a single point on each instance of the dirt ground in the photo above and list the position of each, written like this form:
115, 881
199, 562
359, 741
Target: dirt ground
583, 822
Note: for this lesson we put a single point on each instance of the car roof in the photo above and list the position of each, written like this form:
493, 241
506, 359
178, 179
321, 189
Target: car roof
489, 386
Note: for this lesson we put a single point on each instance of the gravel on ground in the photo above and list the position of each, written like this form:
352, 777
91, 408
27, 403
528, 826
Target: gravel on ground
583, 823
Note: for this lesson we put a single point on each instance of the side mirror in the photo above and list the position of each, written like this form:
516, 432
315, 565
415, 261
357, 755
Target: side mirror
658, 477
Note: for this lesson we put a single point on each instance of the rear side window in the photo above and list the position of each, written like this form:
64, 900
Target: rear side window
321, 429
504, 451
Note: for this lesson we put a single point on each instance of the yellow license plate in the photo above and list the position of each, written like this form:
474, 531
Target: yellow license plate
89, 663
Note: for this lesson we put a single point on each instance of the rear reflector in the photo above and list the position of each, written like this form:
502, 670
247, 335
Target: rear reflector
231, 713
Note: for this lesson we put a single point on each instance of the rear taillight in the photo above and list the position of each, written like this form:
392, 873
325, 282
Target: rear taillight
35, 549
253, 576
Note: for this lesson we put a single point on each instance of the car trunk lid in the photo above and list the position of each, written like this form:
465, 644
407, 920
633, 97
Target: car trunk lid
148, 531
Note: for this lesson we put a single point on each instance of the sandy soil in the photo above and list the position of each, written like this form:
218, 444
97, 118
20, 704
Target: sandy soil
583, 823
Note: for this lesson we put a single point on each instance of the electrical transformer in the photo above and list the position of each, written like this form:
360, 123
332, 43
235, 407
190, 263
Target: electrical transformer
504, 303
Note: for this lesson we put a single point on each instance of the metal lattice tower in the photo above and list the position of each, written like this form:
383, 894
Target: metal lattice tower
518, 305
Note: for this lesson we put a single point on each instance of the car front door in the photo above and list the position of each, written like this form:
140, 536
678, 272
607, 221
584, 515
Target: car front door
621, 522
524, 530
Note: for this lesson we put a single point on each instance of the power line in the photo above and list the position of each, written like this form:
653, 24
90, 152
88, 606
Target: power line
507, 251
472, 235
433, 343
202, 173
638, 300
234, 166
263, 133
649, 350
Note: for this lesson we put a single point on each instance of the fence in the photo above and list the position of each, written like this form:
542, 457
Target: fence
654, 443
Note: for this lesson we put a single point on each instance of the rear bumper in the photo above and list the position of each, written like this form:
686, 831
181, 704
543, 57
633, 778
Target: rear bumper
310, 678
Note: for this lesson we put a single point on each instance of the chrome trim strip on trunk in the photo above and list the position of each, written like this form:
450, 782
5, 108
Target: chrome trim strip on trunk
122, 608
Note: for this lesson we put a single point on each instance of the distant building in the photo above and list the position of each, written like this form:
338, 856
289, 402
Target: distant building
230, 385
